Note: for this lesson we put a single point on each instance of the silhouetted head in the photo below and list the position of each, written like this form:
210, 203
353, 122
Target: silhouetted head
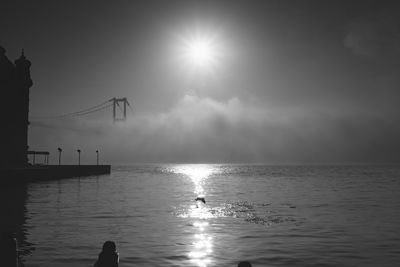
2, 50
109, 247
244, 264
201, 199
108, 257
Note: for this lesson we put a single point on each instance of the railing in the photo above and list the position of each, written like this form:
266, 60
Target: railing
46, 155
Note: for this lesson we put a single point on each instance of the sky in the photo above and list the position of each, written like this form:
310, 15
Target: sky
289, 82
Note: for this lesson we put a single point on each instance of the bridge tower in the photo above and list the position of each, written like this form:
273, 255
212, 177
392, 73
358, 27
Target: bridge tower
116, 102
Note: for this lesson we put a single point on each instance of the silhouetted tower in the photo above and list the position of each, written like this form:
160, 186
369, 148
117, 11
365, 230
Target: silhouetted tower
116, 102
15, 82
23, 83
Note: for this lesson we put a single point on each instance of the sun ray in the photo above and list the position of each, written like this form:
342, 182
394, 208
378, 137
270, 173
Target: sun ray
200, 52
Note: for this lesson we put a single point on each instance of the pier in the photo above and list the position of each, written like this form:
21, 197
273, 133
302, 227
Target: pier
50, 172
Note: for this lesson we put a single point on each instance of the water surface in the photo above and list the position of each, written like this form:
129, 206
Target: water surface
269, 215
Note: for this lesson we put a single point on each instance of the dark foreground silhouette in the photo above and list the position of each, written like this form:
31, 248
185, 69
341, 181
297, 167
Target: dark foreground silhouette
8, 250
244, 264
108, 257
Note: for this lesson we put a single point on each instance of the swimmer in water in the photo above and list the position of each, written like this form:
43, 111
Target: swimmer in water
200, 199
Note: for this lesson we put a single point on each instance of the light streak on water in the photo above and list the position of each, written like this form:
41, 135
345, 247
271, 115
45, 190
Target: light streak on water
203, 242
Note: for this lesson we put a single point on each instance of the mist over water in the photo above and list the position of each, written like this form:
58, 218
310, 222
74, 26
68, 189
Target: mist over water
202, 129
269, 215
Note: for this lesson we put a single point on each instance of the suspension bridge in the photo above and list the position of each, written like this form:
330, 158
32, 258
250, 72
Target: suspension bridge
116, 104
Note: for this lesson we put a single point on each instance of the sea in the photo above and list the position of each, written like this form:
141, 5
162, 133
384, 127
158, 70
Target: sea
296, 215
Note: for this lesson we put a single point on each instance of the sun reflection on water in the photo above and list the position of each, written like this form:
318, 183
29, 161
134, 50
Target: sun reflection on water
202, 241
198, 173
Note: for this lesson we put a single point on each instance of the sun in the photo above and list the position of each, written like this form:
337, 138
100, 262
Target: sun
200, 52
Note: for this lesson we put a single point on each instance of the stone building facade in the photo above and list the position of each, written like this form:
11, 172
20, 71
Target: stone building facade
15, 82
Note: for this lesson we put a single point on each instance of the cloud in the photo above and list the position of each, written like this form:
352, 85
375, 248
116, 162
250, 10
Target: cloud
375, 37
201, 129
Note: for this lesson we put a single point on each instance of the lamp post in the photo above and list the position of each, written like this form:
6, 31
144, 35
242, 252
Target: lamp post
59, 156
79, 156
97, 157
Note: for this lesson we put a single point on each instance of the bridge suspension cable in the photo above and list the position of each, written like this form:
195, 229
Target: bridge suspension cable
77, 114
81, 112
114, 102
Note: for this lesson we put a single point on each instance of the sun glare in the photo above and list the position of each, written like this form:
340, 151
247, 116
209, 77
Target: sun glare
200, 52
